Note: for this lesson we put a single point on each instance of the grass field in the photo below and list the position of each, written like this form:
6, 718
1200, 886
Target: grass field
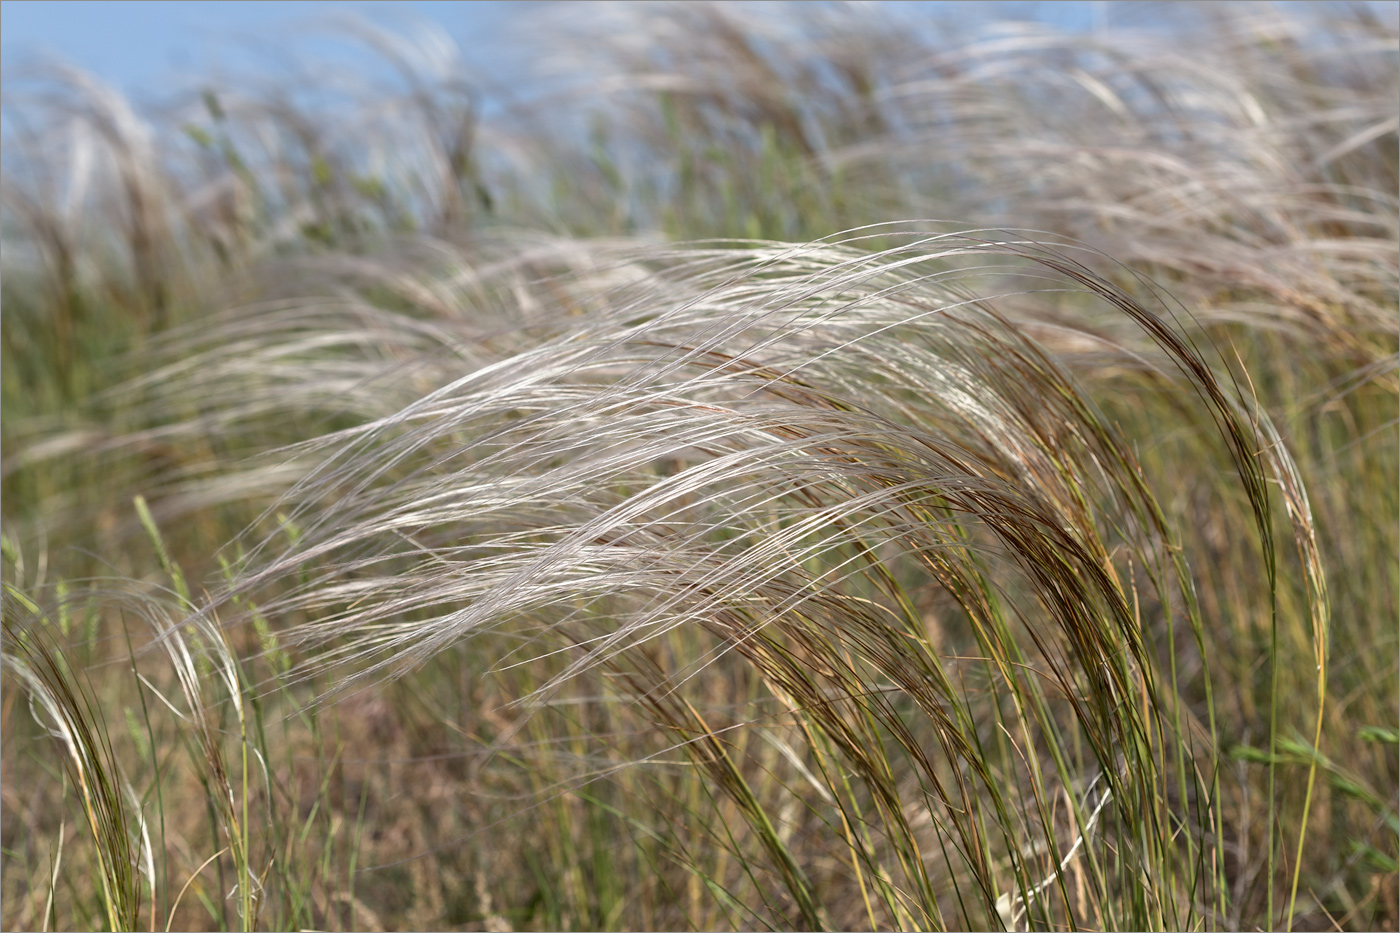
811, 468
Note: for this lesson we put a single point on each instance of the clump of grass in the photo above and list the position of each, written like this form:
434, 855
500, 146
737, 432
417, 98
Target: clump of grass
789, 448
65, 706
920, 576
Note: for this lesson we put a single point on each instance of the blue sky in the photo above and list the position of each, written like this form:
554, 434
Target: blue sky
148, 47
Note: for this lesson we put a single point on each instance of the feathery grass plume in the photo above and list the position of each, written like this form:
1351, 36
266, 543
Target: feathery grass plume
1242, 155
1257, 169
719, 118
188, 432
224, 175
1246, 153
120, 222
790, 447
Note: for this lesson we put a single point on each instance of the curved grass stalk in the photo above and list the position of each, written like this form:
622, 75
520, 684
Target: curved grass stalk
74, 719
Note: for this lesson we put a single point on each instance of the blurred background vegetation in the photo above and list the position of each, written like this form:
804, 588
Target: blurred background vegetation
222, 316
